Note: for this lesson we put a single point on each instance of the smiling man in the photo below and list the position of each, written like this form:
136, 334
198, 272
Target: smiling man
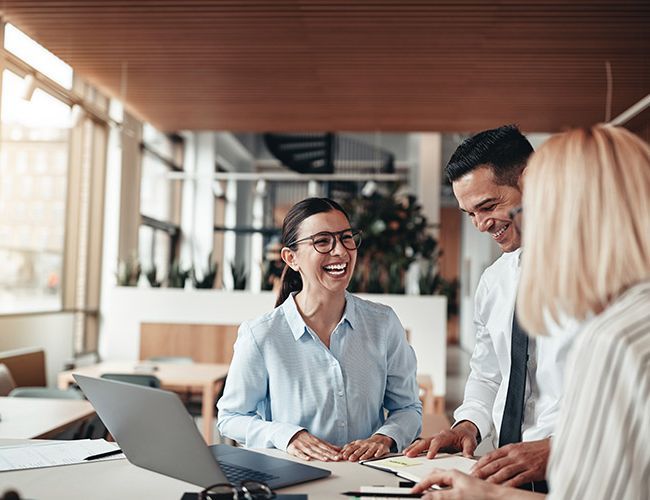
515, 385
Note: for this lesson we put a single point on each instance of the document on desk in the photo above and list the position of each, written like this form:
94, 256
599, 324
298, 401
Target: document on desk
52, 453
417, 468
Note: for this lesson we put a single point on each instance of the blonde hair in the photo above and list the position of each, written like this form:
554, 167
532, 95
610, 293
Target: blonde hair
587, 224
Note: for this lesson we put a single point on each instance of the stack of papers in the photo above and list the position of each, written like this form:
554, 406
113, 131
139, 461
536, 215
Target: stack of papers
51, 453
416, 469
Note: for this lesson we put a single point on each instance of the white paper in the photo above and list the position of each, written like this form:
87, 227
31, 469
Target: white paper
389, 490
417, 468
52, 453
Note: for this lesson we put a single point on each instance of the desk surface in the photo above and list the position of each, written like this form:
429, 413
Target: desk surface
39, 417
119, 479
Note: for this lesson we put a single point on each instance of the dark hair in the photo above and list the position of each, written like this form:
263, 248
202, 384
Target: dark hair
291, 280
504, 149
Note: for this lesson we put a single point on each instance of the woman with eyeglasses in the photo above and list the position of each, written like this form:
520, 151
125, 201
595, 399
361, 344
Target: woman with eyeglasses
586, 255
317, 375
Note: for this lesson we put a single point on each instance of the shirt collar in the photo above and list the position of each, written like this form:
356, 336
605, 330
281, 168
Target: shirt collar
297, 324
515, 257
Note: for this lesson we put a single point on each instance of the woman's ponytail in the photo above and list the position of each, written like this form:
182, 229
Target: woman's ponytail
290, 281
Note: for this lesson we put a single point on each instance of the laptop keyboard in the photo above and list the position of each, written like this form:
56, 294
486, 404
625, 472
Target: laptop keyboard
237, 473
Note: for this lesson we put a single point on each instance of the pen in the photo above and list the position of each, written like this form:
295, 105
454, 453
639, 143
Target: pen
104, 455
375, 494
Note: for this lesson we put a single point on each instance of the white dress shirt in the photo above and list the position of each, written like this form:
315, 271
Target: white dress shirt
487, 385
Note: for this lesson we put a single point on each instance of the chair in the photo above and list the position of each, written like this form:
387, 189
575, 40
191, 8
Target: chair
134, 378
7, 383
193, 402
45, 392
176, 360
130, 378
27, 366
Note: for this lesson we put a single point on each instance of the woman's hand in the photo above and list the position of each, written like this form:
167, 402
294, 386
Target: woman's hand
309, 447
460, 486
375, 446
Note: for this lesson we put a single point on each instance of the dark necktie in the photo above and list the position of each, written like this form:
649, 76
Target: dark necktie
514, 409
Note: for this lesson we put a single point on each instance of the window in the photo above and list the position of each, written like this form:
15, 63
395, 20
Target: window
33, 189
159, 231
37, 56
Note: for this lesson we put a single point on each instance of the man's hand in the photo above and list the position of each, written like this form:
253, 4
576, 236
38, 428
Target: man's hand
515, 464
375, 446
306, 446
463, 438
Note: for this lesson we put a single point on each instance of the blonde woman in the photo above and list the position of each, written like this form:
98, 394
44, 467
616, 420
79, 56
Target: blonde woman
587, 255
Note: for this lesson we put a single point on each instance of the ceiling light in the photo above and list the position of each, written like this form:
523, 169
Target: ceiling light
76, 115
368, 189
313, 189
29, 86
217, 190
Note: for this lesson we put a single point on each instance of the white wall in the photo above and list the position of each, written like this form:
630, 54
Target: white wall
51, 332
126, 308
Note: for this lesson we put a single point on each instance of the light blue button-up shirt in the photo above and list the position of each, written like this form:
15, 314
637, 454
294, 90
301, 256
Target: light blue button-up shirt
283, 379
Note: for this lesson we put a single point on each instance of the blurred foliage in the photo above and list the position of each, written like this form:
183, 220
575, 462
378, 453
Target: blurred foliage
395, 234
177, 276
432, 283
239, 276
152, 277
272, 266
128, 271
208, 276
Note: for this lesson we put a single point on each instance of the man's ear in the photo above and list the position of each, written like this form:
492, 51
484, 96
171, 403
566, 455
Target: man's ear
522, 179
289, 257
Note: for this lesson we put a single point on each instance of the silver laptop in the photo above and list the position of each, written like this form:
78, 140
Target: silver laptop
156, 432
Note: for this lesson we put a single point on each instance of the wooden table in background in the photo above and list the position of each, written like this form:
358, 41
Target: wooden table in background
204, 377
425, 384
40, 418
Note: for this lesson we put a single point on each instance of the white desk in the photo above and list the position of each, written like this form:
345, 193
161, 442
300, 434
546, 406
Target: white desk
40, 417
119, 479
204, 377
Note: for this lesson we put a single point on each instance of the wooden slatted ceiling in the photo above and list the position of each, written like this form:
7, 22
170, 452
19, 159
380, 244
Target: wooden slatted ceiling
364, 65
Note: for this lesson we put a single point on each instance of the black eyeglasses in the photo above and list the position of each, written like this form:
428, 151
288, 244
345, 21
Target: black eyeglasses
324, 242
516, 216
248, 490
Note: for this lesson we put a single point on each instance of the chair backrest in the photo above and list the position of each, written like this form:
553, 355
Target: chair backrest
134, 378
7, 383
176, 360
27, 366
45, 392
202, 343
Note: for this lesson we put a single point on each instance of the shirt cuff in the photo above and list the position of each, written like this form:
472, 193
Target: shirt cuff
394, 433
282, 434
483, 425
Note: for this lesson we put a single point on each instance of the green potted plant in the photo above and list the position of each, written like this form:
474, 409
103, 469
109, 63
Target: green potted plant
207, 281
152, 277
395, 234
239, 276
177, 276
128, 271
